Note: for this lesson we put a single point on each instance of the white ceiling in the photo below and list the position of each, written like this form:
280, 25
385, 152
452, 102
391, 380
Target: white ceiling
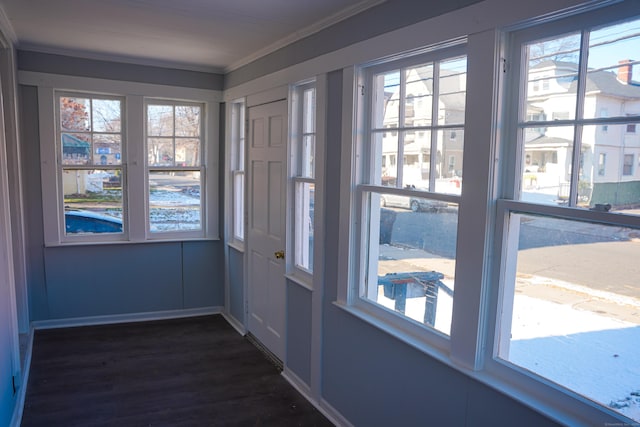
206, 35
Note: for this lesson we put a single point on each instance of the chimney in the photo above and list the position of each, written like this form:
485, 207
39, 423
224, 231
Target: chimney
625, 70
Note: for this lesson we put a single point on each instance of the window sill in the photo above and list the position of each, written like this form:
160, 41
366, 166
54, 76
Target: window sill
129, 242
236, 245
298, 279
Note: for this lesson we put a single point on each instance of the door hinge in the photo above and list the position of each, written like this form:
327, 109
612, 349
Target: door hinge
504, 65
362, 90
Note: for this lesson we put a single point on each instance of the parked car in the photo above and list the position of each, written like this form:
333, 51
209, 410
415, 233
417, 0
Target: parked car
80, 221
416, 204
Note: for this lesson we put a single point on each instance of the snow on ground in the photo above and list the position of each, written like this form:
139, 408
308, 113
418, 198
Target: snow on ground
594, 355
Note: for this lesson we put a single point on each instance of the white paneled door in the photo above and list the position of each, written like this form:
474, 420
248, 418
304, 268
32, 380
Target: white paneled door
267, 174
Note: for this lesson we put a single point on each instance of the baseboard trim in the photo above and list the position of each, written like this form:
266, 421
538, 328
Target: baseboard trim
322, 405
18, 409
235, 323
125, 318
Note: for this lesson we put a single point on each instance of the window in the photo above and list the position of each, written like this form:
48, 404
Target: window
303, 169
175, 168
409, 206
237, 170
90, 146
126, 167
556, 322
627, 167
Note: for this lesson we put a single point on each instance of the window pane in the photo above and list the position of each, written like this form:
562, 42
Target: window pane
238, 205
76, 148
612, 72
174, 201
92, 201
188, 120
187, 152
419, 100
75, 114
106, 115
411, 261
415, 159
305, 203
546, 171
309, 111
609, 176
385, 170
572, 315
386, 98
308, 156
160, 120
552, 76
160, 151
449, 166
107, 149
452, 91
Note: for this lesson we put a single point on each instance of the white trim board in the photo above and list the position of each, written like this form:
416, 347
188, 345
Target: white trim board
125, 318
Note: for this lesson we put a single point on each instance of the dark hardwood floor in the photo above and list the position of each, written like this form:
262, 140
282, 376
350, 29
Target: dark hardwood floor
183, 372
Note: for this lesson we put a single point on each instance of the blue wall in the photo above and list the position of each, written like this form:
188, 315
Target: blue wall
7, 397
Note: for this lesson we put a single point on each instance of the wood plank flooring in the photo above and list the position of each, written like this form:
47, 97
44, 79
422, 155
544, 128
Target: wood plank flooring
183, 372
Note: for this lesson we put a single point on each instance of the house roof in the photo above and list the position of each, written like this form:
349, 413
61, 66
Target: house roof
75, 144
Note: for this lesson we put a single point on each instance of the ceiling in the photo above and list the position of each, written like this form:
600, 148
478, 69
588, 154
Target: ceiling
203, 35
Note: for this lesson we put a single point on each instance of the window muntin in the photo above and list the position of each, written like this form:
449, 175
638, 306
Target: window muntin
175, 169
303, 169
591, 83
410, 187
90, 147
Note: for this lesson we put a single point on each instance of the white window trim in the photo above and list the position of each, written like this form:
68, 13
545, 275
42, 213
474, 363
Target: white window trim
298, 274
234, 126
134, 93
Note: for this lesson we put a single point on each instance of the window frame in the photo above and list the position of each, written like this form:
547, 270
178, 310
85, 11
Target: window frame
298, 177
353, 296
61, 167
200, 168
237, 136
523, 385
135, 155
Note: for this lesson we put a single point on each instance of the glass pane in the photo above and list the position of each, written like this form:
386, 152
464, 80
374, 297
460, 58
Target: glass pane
308, 155
76, 148
386, 100
546, 171
107, 115
572, 314
160, 151
552, 77
452, 91
107, 149
160, 120
75, 114
419, 95
309, 111
188, 120
238, 205
305, 202
174, 201
187, 152
415, 159
411, 261
610, 169
449, 161
613, 75
386, 145
92, 201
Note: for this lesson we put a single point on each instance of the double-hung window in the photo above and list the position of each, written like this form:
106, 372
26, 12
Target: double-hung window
570, 293
91, 172
408, 186
175, 168
237, 170
303, 137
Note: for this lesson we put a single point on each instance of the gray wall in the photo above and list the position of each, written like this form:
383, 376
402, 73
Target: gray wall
93, 280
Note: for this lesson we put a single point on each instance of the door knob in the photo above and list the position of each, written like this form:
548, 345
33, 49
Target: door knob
279, 254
